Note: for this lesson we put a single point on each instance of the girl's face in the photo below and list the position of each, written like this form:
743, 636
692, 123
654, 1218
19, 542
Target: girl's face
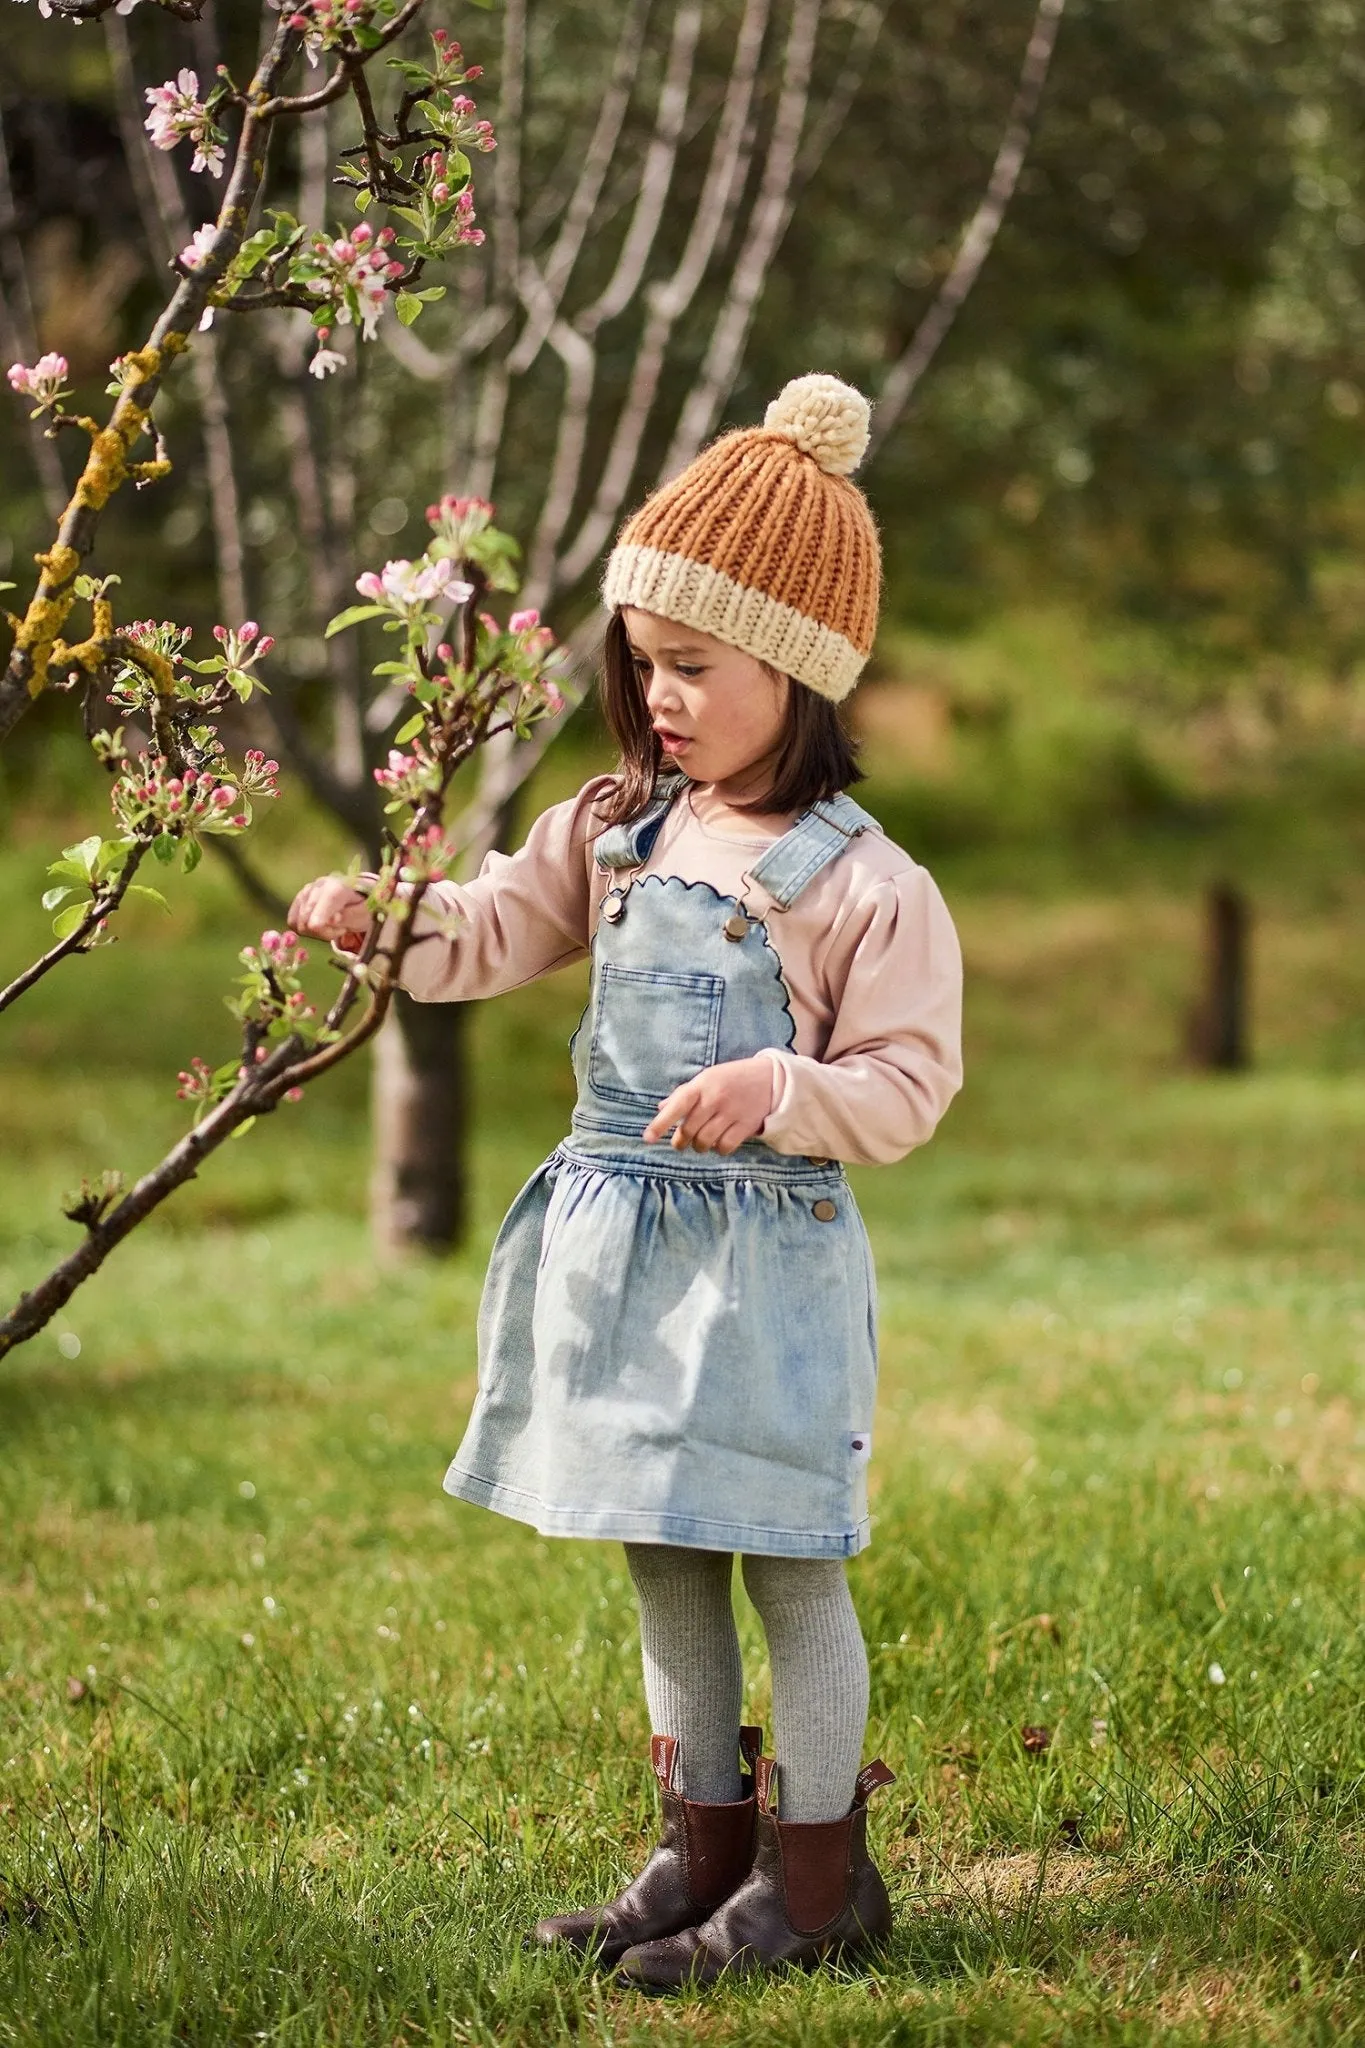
719, 714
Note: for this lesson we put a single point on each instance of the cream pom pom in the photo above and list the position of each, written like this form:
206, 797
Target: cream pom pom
827, 419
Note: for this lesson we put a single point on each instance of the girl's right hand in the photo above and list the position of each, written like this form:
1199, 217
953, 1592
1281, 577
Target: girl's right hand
331, 909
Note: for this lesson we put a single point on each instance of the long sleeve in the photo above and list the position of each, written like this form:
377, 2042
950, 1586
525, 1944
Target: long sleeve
893, 1059
524, 914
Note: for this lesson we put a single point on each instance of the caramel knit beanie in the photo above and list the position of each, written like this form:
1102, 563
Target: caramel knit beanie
764, 542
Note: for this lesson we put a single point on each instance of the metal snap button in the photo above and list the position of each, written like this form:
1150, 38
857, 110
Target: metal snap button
612, 906
736, 925
824, 1212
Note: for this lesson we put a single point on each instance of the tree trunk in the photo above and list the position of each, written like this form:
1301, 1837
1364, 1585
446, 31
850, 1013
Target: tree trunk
419, 1188
1218, 1035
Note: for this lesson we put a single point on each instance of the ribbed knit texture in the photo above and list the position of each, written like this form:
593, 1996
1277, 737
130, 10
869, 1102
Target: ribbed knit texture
694, 1681
818, 1662
763, 541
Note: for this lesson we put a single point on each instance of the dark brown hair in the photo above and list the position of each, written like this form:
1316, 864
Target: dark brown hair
816, 756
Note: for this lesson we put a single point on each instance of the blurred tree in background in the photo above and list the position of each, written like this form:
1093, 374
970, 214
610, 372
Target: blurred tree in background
1153, 394
1149, 411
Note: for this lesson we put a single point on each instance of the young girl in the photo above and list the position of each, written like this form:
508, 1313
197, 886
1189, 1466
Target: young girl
677, 1342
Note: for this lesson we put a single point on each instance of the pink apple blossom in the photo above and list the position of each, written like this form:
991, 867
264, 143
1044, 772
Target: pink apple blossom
43, 381
199, 248
404, 587
177, 112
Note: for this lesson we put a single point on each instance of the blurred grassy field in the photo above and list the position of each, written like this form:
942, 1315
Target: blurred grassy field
294, 1747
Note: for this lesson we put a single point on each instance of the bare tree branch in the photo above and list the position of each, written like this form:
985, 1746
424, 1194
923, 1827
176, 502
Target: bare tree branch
982, 229
572, 341
832, 114
669, 300
559, 265
767, 224
660, 161
110, 459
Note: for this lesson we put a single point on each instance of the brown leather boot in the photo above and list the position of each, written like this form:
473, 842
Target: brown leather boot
813, 1892
704, 1851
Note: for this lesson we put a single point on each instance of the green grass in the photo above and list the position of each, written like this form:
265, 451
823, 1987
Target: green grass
294, 1748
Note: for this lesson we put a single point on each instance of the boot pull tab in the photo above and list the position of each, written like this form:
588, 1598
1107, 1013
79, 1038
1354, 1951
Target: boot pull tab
765, 1785
663, 1754
750, 1747
871, 1778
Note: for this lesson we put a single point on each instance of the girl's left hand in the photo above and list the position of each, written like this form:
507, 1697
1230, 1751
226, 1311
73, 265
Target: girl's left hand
718, 1110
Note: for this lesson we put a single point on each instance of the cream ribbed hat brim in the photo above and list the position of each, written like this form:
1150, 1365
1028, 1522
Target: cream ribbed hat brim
688, 592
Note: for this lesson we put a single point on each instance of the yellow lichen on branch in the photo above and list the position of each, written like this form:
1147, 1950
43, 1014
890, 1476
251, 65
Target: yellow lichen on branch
103, 643
46, 615
107, 466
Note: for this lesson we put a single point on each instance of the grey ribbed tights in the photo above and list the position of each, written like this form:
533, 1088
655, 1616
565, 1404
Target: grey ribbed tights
694, 1682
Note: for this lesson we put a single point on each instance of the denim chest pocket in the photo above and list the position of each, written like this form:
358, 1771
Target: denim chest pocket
651, 1032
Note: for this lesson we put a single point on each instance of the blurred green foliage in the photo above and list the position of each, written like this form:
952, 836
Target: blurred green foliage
1123, 522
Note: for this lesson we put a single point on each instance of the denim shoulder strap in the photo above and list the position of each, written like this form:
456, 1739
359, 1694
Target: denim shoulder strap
819, 836
626, 846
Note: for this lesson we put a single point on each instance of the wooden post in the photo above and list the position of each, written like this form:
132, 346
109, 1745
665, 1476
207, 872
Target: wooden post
1218, 1037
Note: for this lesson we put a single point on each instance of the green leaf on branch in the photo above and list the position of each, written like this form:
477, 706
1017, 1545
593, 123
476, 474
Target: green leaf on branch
163, 846
407, 306
194, 853
83, 856
404, 733
364, 199
152, 895
243, 1128
110, 858
73, 916
52, 897
253, 253
431, 293
352, 616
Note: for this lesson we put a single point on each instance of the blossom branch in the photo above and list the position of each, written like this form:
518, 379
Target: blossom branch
177, 794
110, 462
346, 281
496, 680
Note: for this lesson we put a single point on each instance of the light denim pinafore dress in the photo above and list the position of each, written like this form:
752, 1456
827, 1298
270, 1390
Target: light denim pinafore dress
676, 1347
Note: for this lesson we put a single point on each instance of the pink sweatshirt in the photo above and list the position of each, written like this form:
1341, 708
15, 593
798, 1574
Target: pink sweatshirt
868, 951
